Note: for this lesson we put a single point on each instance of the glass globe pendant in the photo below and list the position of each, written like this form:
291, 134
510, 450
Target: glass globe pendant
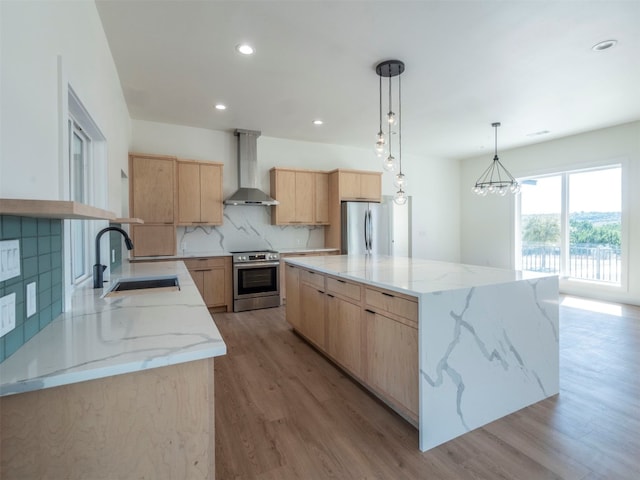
389, 163
400, 181
400, 198
381, 145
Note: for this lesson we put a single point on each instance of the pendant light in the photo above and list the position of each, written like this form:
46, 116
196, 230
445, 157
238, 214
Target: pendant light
496, 178
384, 147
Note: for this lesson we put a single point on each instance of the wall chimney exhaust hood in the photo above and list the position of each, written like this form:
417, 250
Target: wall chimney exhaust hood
248, 192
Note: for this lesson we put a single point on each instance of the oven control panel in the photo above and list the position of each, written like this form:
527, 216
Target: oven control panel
255, 257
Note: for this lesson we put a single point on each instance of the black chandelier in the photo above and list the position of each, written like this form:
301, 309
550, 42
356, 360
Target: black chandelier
496, 178
384, 145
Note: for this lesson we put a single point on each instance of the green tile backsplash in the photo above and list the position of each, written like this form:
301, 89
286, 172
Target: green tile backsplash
41, 262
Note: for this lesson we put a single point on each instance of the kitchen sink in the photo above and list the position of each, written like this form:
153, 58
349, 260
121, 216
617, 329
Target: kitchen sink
139, 285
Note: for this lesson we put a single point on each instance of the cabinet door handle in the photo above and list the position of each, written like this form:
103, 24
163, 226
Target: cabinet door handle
203, 270
341, 281
369, 311
320, 291
387, 294
329, 295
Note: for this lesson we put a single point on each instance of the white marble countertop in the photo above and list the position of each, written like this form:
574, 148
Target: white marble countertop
180, 256
219, 253
413, 276
289, 251
101, 337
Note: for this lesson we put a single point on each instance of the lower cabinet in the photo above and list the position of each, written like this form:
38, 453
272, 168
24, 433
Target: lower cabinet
283, 283
312, 314
212, 276
292, 282
392, 360
371, 333
344, 327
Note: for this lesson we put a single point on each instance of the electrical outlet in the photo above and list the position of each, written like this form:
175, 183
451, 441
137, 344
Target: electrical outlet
7, 313
9, 259
31, 299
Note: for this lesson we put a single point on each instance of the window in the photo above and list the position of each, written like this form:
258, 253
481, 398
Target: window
570, 223
79, 151
84, 167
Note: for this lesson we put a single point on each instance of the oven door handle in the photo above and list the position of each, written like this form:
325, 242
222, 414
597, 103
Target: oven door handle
242, 266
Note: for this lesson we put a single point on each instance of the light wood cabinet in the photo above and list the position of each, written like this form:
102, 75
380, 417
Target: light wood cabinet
199, 193
392, 361
283, 270
212, 276
292, 282
360, 186
344, 333
348, 185
153, 240
152, 188
302, 195
321, 200
312, 313
370, 332
151, 197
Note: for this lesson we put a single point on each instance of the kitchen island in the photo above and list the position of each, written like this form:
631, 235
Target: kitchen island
119, 387
450, 347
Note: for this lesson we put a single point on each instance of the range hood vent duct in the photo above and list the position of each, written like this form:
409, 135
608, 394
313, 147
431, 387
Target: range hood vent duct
248, 192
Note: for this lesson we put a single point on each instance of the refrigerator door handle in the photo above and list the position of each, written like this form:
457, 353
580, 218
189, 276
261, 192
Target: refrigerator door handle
370, 232
366, 233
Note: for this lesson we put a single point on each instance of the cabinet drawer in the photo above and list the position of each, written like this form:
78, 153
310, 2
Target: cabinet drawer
312, 278
205, 262
342, 288
392, 303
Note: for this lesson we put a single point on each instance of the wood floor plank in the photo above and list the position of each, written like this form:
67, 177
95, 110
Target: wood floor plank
284, 411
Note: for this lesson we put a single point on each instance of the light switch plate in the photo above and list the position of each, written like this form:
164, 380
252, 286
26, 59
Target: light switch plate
31, 299
7, 313
9, 259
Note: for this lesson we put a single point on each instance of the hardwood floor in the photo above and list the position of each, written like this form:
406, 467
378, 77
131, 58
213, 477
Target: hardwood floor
284, 412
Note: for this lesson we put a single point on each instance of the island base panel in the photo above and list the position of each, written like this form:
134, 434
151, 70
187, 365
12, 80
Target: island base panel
156, 423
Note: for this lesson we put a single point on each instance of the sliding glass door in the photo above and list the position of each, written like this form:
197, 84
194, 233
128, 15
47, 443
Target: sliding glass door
570, 223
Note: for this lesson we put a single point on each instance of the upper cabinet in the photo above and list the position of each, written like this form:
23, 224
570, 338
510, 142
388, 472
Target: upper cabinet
199, 193
348, 185
152, 188
360, 186
151, 198
165, 192
303, 197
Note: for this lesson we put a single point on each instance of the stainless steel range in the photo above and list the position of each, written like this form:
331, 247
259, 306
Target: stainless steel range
256, 280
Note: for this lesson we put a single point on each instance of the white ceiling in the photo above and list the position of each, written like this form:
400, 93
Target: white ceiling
527, 64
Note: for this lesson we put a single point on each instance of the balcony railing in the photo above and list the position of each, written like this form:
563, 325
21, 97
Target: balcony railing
586, 262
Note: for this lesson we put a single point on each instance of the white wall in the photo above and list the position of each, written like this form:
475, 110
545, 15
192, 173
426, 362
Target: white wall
33, 35
433, 182
487, 224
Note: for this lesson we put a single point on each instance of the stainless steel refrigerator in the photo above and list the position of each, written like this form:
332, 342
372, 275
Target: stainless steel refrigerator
378, 228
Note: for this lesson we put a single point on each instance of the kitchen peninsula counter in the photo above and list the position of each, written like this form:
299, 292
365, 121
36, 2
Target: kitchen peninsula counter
486, 338
117, 387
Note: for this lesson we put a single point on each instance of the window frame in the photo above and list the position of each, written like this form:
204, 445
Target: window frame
569, 284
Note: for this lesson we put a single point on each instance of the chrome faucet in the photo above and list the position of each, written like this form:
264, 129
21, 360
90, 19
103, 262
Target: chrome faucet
99, 269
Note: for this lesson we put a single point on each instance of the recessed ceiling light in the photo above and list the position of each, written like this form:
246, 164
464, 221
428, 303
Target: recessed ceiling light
605, 45
245, 49
220, 106
318, 122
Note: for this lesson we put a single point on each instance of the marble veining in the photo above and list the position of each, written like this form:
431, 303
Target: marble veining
248, 228
487, 338
101, 337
